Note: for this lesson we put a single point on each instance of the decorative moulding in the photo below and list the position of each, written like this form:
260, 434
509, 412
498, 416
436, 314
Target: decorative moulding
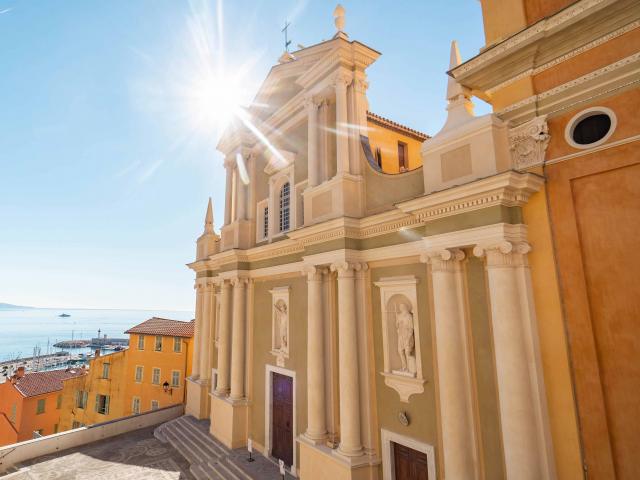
280, 314
401, 336
528, 143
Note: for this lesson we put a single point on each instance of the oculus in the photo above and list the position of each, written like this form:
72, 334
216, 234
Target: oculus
591, 127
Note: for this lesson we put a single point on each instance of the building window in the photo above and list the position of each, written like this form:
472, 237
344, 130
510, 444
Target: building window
38, 433
59, 402
156, 376
13, 414
403, 157
139, 373
40, 406
135, 405
105, 370
175, 378
177, 344
81, 399
102, 404
285, 202
265, 222
591, 127
379, 157
77, 424
140, 342
55, 428
155, 405
158, 347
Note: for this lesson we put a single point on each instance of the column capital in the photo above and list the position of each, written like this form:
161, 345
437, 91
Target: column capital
348, 268
361, 85
239, 282
313, 272
342, 80
444, 260
311, 103
504, 254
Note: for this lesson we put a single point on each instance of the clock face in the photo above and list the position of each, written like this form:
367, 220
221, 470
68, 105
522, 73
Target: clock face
403, 418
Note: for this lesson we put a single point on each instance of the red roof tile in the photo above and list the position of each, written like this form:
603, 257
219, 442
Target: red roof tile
385, 122
39, 383
164, 326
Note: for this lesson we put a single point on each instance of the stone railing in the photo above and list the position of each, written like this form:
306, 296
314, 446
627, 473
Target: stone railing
11, 455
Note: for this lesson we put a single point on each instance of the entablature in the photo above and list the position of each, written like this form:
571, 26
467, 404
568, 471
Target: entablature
542, 43
402, 224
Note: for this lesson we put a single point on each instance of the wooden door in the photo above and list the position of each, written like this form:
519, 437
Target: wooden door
595, 211
409, 464
282, 418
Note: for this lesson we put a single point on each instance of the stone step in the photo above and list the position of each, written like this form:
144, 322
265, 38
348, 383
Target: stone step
14, 474
193, 442
203, 436
176, 443
223, 470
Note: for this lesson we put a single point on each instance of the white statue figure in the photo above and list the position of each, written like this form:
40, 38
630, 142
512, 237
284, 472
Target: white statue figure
406, 340
281, 319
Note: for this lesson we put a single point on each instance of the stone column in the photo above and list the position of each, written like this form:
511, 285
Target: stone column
205, 341
514, 363
238, 339
312, 140
223, 341
241, 197
350, 439
228, 190
454, 376
323, 147
342, 121
316, 420
195, 369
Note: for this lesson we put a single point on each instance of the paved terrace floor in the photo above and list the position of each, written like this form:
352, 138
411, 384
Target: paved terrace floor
135, 455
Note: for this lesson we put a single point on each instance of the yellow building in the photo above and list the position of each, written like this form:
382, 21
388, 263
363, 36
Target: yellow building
97, 395
148, 375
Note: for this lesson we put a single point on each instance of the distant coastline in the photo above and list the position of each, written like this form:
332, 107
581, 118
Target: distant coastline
9, 306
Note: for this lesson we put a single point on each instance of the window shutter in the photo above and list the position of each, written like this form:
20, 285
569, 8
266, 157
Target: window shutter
85, 399
97, 403
106, 405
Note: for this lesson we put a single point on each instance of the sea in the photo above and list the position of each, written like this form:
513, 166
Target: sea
22, 331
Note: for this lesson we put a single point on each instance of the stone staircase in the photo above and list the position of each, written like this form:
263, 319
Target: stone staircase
209, 459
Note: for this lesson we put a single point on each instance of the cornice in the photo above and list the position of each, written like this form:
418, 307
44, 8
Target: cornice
610, 78
571, 31
508, 189
556, 61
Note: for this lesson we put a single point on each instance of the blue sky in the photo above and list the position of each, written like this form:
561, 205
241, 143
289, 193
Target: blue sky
104, 175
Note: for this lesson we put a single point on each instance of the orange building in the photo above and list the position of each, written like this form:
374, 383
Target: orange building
31, 403
158, 361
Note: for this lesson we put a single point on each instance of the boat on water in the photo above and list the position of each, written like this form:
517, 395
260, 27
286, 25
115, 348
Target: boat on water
64, 315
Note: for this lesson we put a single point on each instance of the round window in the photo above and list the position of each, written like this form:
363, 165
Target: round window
590, 127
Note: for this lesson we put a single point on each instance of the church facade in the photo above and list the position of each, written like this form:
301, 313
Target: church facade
379, 303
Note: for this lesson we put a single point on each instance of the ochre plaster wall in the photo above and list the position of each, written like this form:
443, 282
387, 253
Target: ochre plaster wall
484, 376
261, 348
387, 140
421, 408
553, 340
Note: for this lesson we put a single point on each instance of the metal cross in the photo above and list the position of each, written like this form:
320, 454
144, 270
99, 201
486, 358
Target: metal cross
287, 42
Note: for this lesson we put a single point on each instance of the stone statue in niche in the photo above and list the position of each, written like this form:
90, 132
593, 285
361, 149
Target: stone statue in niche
281, 315
406, 339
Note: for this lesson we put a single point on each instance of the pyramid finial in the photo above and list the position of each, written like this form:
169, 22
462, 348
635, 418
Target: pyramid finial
208, 220
454, 89
338, 15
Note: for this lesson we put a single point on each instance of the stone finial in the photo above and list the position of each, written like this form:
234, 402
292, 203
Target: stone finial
208, 219
460, 106
338, 15
454, 89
